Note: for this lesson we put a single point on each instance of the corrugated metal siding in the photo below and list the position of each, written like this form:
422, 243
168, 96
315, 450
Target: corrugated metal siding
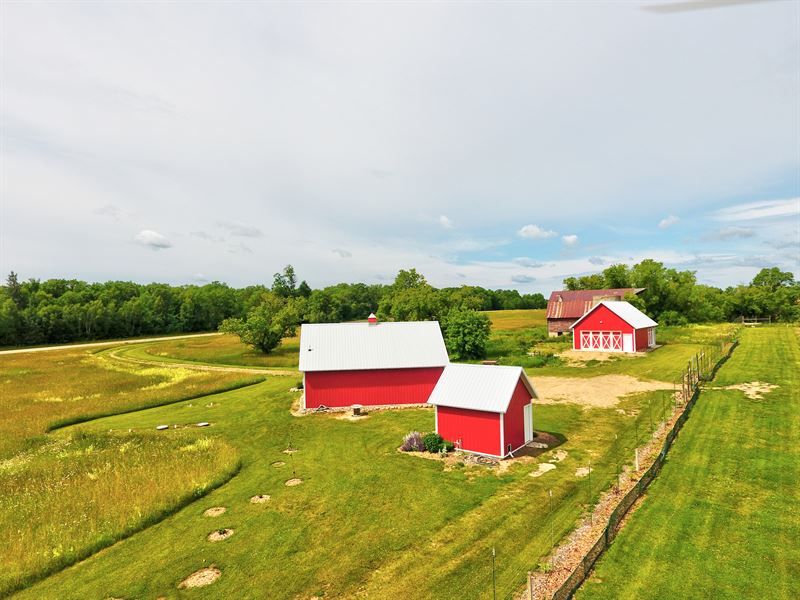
358, 346
477, 387
371, 387
514, 419
478, 431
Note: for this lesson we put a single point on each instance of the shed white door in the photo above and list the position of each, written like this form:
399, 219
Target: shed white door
605, 341
528, 413
627, 342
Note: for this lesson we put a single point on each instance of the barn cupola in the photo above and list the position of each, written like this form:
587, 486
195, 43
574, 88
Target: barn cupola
372, 319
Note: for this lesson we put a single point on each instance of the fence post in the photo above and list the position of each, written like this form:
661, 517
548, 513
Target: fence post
530, 585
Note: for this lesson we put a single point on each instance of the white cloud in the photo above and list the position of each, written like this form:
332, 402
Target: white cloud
200, 277
597, 260
152, 239
731, 233
341, 253
764, 209
445, 222
240, 229
667, 222
522, 279
524, 261
570, 240
534, 232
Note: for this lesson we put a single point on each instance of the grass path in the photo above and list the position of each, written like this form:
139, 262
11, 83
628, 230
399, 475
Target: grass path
722, 520
106, 343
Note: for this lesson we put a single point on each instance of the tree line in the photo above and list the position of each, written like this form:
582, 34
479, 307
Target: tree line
70, 310
674, 297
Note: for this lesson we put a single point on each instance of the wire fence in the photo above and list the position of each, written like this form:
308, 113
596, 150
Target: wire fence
702, 367
610, 472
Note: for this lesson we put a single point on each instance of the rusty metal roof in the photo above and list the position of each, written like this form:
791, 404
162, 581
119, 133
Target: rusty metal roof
573, 304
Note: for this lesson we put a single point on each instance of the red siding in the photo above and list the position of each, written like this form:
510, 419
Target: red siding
514, 419
641, 339
479, 431
370, 387
601, 319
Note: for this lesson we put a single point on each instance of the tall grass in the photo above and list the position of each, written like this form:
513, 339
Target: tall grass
47, 389
67, 498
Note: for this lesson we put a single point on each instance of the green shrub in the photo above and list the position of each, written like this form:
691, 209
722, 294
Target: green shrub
433, 442
449, 446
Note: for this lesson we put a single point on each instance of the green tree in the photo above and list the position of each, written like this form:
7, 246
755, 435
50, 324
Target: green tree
772, 279
466, 334
617, 276
285, 284
267, 324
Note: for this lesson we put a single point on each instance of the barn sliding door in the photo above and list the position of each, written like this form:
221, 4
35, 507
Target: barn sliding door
528, 414
603, 341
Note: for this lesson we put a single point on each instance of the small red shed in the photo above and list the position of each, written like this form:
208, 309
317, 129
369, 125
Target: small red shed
484, 409
614, 327
370, 363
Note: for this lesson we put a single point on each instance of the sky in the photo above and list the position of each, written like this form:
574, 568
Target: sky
508, 145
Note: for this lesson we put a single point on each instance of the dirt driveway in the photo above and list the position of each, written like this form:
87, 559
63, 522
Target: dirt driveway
604, 391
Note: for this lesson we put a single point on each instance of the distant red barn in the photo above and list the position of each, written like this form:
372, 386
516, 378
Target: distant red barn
484, 409
370, 363
614, 327
566, 306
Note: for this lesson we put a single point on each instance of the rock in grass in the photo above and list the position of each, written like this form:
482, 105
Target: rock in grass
201, 578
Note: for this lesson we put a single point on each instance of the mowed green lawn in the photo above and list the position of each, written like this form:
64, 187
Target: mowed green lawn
722, 520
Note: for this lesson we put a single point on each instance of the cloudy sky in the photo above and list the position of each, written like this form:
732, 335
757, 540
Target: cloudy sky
505, 145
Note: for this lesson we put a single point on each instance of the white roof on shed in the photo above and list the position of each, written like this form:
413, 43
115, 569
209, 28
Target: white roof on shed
626, 311
362, 346
479, 387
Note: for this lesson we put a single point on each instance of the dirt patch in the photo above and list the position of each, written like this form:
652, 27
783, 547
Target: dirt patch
351, 417
559, 455
201, 578
542, 469
260, 499
278, 463
293, 482
214, 511
579, 358
290, 451
754, 390
219, 535
604, 391
583, 471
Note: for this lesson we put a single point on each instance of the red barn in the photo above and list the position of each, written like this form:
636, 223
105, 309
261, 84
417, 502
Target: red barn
614, 327
566, 306
370, 363
484, 409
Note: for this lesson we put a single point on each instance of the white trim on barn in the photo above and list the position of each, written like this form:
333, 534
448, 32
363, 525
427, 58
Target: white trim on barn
502, 433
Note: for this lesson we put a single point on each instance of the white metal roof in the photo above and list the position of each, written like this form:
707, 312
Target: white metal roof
358, 346
626, 311
479, 387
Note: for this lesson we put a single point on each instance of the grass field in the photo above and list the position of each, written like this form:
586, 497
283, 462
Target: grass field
78, 493
47, 388
366, 521
722, 519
